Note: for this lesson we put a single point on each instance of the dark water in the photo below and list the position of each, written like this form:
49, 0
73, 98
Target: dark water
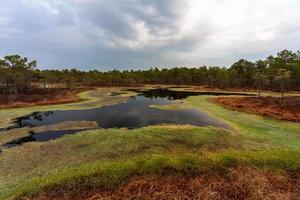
175, 95
34, 137
136, 112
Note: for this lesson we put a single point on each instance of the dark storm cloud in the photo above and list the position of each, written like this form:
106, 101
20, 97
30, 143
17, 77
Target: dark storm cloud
140, 33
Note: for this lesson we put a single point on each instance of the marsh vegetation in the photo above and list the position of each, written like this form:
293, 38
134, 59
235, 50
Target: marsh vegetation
143, 140
97, 162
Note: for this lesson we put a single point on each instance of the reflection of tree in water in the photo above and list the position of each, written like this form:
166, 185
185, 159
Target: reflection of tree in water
175, 95
39, 116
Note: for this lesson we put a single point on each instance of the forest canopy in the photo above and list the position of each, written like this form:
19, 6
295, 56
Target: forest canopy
273, 73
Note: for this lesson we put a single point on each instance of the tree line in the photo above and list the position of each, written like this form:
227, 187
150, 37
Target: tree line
280, 72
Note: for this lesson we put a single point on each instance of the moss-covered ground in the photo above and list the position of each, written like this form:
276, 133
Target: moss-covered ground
108, 157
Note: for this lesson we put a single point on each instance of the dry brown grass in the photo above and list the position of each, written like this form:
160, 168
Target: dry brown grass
42, 97
237, 184
288, 109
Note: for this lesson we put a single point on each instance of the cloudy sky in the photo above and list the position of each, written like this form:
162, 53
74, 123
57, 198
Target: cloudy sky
132, 34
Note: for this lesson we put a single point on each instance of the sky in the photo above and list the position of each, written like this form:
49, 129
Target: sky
138, 34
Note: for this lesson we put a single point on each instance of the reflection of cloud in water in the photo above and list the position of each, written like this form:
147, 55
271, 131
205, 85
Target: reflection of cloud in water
136, 112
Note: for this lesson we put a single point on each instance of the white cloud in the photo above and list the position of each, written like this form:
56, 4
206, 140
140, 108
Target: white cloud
7, 30
157, 32
49, 5
243, 26
84, 1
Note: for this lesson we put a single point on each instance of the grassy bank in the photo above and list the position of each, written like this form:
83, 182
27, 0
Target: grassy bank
107, 158
91, 99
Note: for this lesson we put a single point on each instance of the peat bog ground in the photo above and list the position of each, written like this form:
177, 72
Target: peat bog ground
254, 158
37, 96
287, 108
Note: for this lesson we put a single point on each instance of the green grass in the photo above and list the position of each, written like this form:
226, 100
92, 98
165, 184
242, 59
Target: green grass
261, 131
15, 134
108, 157
35, 159
108, 174
92, 99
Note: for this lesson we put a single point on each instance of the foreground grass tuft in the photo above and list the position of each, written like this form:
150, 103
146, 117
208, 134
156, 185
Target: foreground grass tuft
111, 174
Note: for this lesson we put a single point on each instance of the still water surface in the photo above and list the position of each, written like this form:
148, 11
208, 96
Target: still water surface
135, 113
